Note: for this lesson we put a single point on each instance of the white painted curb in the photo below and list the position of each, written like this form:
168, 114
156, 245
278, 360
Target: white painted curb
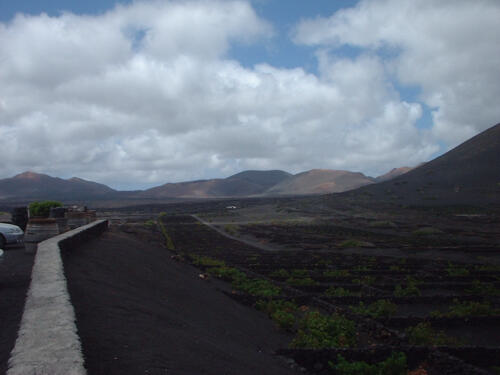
47, 341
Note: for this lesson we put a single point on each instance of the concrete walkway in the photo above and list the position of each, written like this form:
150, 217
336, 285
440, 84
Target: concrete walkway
47, 342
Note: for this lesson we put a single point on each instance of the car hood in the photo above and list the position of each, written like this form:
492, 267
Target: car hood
9, 226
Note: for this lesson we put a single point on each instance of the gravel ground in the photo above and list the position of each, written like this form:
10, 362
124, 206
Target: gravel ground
15, 277
140, 312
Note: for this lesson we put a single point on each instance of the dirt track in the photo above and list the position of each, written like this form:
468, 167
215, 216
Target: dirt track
140, 312
239, 239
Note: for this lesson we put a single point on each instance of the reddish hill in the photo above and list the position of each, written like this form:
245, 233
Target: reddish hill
265, 179
320, 181
31, 185
245, 183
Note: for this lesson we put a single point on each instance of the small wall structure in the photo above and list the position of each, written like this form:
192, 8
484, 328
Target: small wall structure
76, 219
60, 220
47, 342
38, 230
20, 217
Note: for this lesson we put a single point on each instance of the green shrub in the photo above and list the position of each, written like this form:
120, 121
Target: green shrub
42, 209
274, 305
377, 309
257, 287
355, 243
281, 273
317, 331
299, 273
228, 273
365, 280
454, 270
495, 370
339, 292
231, 229
423, 334
324, 262
205, 261
361, 268
352, 368
168, 239
284, 319
336, 273
466, 309
396, 364
486, 289
487, 268
306, 281
410, 290
150, 224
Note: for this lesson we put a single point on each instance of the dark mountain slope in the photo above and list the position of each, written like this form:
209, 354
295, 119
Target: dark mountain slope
468, 174
393, 173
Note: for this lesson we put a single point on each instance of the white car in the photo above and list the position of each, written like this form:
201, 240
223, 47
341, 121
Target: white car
10, 234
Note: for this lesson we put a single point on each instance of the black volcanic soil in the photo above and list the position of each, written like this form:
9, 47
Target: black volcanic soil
140, 312
15, 278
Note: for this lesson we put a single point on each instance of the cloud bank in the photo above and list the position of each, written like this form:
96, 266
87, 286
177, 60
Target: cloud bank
148, 93
449, 49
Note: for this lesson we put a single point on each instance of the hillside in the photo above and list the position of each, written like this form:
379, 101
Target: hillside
265, 179
393, 173
467, 174
320, 181
31, 185
245, 183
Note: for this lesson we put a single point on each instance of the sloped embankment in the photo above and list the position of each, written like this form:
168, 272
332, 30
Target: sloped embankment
138, 311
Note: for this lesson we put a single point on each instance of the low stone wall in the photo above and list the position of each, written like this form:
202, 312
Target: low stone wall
47, 342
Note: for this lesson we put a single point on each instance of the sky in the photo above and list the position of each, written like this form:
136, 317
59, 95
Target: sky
135, 94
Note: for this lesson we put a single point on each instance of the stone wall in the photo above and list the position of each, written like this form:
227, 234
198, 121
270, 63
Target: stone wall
47, 342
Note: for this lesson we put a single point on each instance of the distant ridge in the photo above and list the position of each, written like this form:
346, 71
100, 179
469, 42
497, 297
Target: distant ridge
246, 183
266, 179
468, 174
320, 181
31, 185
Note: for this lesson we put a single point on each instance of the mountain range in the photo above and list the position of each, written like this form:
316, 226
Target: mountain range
469, 172
31, 185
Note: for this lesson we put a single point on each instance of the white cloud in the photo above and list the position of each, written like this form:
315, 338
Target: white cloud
146, 94
450, 49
